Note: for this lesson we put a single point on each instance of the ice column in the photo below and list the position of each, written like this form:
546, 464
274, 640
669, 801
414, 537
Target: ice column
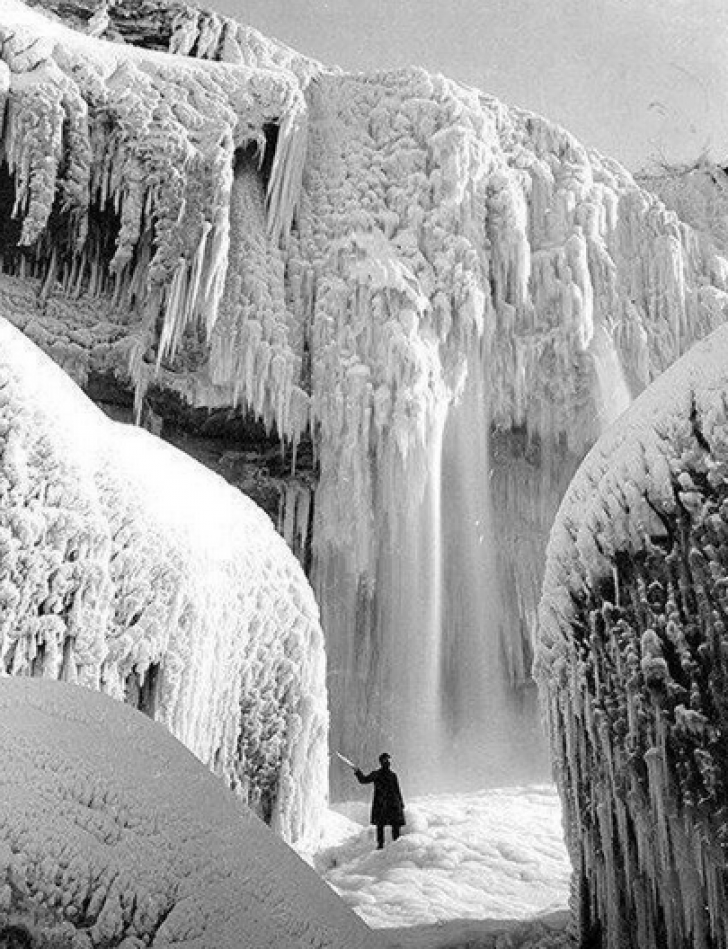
411, 579
491, 725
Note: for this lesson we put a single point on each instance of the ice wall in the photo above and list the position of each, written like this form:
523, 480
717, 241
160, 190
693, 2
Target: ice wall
698, 192
524, 290
633, 665
129, 568
389, 263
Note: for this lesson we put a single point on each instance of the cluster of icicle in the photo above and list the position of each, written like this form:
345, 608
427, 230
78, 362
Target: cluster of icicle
410, 228
99, 128
126, 566
632, 661
438, 229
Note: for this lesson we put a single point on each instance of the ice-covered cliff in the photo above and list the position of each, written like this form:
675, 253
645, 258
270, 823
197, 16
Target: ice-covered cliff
633, 664
698, 192
450, 298
127, 567
112, 834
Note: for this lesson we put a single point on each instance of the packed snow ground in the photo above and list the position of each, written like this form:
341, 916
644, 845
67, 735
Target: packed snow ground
466, 869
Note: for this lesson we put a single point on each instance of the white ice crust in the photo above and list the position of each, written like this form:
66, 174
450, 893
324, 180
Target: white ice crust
631, 660
128, 567
112, 833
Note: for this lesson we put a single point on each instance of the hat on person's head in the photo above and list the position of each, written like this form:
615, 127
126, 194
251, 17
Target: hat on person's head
384, 757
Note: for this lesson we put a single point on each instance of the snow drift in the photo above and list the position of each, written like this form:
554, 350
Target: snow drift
112, 833
633, 665
128, 567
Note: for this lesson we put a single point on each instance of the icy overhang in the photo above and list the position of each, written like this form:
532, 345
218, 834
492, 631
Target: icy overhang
151, 137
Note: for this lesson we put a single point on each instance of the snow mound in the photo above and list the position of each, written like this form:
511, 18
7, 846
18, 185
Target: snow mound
112, 833
127, 567
493, 855
633, 663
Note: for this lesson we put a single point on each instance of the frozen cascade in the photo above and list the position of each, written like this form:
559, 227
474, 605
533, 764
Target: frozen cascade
613, 396
244, 228
412, 589
490, 720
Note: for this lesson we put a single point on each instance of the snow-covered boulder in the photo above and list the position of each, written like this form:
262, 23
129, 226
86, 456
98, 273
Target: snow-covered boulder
632, 661
128, 567
113, 834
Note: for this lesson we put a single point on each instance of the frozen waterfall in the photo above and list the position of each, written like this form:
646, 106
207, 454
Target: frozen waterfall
447, 298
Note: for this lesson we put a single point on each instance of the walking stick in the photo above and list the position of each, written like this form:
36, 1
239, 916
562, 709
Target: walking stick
346, 760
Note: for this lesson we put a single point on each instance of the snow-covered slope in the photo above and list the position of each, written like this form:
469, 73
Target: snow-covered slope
128, 567
633, 664
393, 263
112, 833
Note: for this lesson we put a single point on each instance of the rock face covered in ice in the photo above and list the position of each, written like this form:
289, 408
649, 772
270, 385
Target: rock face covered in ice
112, 834
393, 265
698, 192
127, 567
633, 664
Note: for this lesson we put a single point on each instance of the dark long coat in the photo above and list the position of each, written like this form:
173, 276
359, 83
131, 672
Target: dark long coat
387, 805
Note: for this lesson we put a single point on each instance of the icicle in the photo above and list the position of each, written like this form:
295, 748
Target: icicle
185, 30
208, 37
287, 171
5, 79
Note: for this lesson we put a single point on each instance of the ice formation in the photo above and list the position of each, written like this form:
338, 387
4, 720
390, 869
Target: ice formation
128, 567
698, 192
633, 665
449, 297
113, 834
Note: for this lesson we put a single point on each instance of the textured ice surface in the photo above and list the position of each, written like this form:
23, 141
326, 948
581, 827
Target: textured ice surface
633, 663
128, 567
112, 833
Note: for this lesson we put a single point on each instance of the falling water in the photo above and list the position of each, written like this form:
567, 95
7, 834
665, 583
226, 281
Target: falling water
465, 711
456, 720
613, 393
492, 722
411, 620
431, 661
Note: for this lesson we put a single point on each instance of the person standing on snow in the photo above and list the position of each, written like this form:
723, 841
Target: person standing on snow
387, 805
